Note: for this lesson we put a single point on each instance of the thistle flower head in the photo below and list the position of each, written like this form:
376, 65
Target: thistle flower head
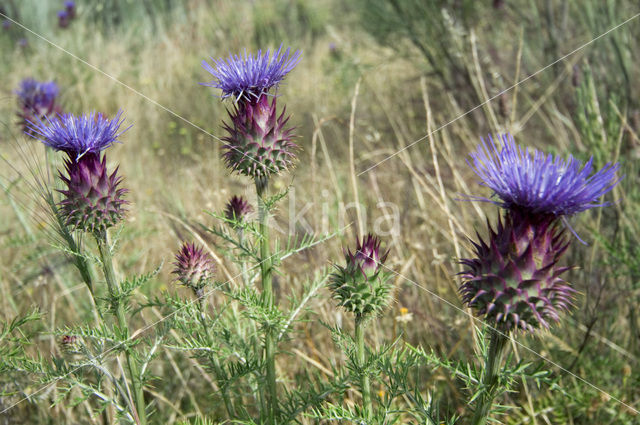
70, 8
514, 280
362, 286
78, 135
63, 19
249, 77
194, 268
531, 181
237, 209
92, 200
258, 144
37, 98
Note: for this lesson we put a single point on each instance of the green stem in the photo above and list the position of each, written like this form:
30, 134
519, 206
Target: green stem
490, 389
220, 377
268, 299
102, 240
365, 385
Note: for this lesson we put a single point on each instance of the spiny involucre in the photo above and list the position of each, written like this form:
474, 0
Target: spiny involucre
258, 144
194, 268
514, 280
92, 200
363, 285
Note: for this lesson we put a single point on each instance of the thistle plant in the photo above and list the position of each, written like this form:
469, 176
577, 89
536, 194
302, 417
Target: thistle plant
514, 281
362, 287
92, 202
258, 145
195, 269
36, 100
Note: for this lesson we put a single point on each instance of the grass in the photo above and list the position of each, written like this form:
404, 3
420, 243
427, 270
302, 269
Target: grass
414, 77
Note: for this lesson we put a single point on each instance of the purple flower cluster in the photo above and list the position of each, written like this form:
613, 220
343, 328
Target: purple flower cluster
249, 77
541, 184
36, 100
66, 15
514, 280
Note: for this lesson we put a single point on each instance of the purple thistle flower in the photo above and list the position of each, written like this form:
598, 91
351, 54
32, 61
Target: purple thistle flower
194, 268
537, 183
237, 209
37, 96
362, 285
79, 135
250, 77
37, 100
70, 8
514, 280
63, 19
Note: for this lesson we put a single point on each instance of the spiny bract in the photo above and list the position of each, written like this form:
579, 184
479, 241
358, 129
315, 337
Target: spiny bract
362, 286
92, 201
258, 143
514, 280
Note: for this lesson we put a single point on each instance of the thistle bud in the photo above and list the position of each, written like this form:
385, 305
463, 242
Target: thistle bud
194, 268
237, 209
362, 286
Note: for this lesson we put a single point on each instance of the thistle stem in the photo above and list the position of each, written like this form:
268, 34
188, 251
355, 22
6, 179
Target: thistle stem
102, 240
268, 299
365, 385
490, 387
215, 362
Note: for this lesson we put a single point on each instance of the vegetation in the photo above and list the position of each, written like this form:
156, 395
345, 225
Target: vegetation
388, 101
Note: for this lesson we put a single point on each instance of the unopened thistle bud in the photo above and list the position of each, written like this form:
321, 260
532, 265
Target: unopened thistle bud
237, 209
92, 200
70, 344
514, 280
363, 285
258, 144
194, 268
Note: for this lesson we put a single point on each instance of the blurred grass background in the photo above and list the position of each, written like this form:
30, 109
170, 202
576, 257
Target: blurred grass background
417, 66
